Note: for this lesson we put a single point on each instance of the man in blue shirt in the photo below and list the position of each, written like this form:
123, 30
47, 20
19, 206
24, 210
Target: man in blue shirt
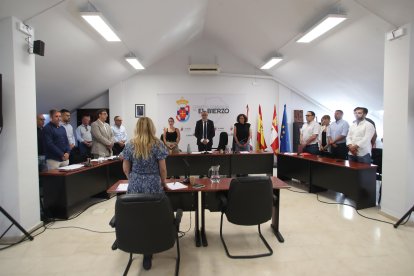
336, 134
56, 145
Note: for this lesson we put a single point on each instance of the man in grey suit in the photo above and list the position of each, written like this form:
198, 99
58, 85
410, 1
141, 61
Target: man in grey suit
102, 136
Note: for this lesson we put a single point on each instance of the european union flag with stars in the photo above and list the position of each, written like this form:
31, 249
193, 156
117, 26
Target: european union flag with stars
284, 134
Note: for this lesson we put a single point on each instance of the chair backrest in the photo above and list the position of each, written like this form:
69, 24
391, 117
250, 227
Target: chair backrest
377, 159
250, 200
144, 223
223, 141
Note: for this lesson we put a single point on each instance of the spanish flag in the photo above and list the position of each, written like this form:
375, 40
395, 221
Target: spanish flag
275, 133
261, 143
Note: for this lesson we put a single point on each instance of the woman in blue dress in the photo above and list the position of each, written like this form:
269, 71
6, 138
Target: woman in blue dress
144, 164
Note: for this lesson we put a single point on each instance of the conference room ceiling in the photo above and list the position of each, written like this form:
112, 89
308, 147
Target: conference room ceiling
341, 69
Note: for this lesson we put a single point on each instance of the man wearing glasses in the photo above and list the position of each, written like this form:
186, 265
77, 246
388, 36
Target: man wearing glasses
204, 132
309, 134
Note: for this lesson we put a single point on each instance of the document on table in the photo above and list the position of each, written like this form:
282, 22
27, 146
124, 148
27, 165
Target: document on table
71, 167
123, 187
176, 186
244, 152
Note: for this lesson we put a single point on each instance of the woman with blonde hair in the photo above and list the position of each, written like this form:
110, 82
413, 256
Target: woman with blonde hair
144, 164
144, 160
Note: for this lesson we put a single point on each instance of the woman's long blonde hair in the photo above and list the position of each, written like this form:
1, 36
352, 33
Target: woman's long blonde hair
144, 138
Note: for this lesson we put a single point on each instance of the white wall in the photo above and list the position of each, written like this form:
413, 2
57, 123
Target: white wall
100, 102
170, 76
19, 185
398, 159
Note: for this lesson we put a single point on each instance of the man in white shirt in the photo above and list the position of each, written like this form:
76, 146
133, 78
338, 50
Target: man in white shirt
84, 136
69, 129
336, 134
120, 135
359, 137
309, 134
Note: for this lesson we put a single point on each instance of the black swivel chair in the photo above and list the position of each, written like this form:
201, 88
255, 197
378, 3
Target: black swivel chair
249, 202
223, 141
145, 224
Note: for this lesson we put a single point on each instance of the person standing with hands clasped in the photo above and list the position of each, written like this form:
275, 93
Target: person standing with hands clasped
204, 132
55, 142
309, 134
242, 134
102, 136
171, 136
144, 164
359, 137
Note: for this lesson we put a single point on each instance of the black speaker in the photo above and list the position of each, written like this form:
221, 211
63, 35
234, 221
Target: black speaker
39, 47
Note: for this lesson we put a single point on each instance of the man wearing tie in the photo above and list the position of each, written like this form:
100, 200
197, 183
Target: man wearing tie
102, 136
204, 132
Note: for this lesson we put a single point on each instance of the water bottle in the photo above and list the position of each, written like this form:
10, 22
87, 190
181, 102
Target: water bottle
188, 149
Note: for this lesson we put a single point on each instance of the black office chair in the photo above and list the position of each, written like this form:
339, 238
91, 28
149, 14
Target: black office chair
223, 141
249, 202
377, 160
145, 224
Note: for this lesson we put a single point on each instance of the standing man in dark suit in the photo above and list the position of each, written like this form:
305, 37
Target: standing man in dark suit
204, 132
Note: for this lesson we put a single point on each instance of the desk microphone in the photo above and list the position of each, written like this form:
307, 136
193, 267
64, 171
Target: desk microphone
187, 176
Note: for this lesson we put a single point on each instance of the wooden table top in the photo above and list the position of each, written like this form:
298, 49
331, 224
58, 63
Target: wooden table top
94, 164
223, 185
217, 153
333, 161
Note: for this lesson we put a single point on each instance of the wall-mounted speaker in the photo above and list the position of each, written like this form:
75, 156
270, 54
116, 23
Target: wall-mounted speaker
39, 47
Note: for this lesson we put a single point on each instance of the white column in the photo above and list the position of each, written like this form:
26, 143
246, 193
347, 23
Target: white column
19, 184
398, 155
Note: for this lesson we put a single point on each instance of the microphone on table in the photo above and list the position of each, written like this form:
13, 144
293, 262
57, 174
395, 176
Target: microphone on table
187, 176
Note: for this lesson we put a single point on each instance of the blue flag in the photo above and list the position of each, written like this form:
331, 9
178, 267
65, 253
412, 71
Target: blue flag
284, 134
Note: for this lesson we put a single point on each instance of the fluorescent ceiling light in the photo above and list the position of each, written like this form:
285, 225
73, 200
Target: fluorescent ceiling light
272, 62
98, 22
134, 63
322, 27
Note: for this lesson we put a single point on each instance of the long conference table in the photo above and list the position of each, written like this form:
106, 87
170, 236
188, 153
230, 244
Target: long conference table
355, 180
211, 191
64, 193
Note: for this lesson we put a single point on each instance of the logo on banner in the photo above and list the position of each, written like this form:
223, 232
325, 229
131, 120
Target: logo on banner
183, 110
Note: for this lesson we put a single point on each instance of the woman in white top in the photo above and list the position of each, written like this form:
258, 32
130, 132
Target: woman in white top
322, 138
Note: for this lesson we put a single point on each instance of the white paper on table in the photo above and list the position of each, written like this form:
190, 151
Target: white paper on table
196, 152
123, 187
71, 167
111, 157
176, 186
244, 152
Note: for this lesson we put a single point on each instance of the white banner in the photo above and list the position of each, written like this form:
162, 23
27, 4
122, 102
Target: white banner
186, 109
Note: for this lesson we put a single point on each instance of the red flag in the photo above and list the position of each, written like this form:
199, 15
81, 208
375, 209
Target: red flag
261, 143
275, 133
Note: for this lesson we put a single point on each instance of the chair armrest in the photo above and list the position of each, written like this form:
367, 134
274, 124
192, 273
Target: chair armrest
178, 217
112, 222
223, 202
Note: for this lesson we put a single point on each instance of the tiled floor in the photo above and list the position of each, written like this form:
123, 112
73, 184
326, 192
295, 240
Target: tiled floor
320, 239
